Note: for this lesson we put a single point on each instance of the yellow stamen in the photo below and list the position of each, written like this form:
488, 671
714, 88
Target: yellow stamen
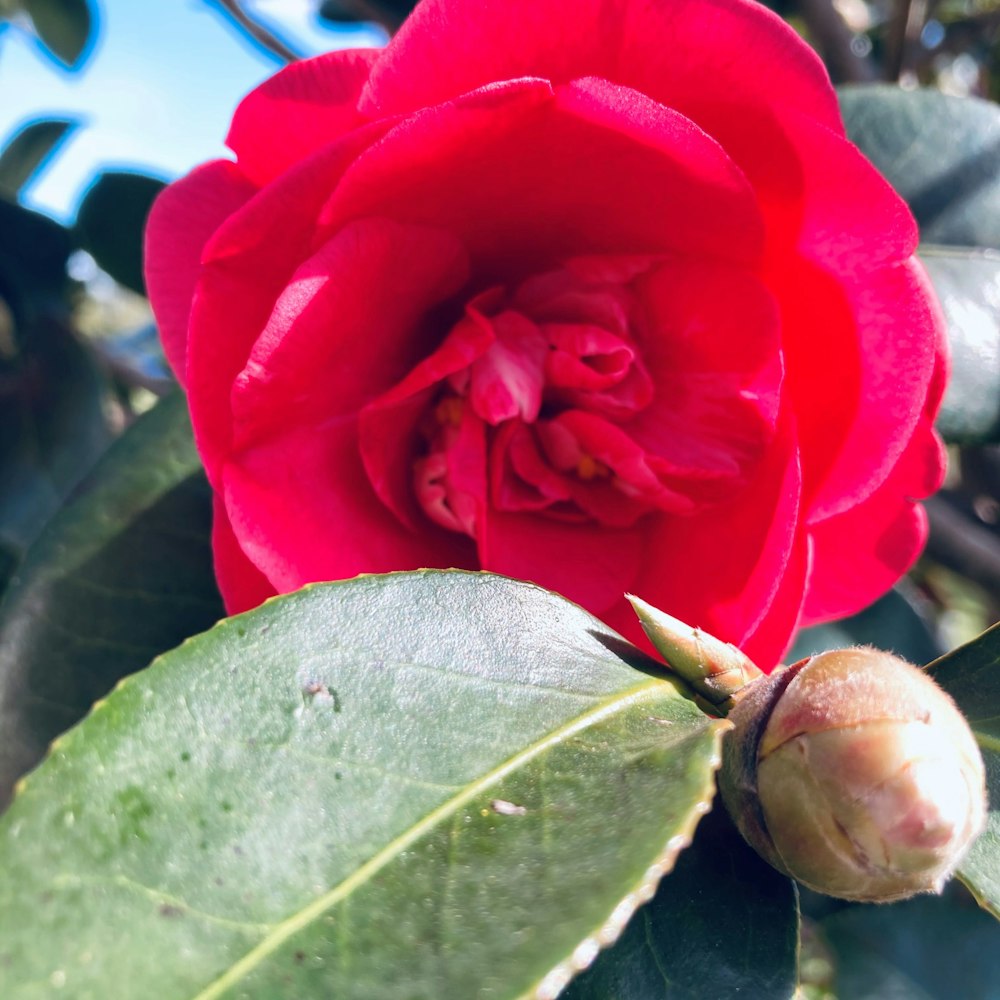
588, 468
448, 412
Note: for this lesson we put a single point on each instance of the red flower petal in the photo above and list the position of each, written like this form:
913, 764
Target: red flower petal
247, 263
859, 356
303, 510
768, 641
388, 429
590, 565
520, 147
680, 52
723, 569
297, 111
713, 350
243, 586
182, 221
861, 553
335, 322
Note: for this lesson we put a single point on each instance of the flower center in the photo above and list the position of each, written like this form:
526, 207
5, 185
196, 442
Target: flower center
543, 405
559, 397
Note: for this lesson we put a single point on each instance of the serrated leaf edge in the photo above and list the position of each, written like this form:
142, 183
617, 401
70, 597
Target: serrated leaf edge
587, 951
583, 956
982, 900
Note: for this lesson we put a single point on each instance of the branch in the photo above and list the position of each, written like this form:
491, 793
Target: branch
255, 30
902, 44
958, 542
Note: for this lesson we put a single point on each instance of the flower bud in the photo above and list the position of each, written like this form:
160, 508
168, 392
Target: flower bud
853, 772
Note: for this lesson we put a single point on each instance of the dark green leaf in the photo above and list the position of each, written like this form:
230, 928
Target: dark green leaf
724, 924
971, 675
111, 222
434, 784
893, 622
968, 284
928, 948
52, 423
28, 149
64, 26
33, 253
121, 574
52, 426
941, 153
391, 13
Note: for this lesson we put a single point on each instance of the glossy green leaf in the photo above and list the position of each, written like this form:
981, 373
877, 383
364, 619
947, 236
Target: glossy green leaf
968, 284
952, 184
971, 675
929, 948
63, 26
434, 784
894, 623
111, 222
724, 924
121, 574
28, 149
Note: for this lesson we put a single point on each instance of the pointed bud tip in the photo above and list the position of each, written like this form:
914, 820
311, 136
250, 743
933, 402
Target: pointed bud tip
716, 669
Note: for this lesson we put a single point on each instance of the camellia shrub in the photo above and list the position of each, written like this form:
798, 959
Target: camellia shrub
521, 397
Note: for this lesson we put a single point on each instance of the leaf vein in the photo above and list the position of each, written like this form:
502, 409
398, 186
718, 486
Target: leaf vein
282, 931
68, 880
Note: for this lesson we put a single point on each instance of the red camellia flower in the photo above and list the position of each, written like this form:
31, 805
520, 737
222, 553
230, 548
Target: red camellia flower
600, 298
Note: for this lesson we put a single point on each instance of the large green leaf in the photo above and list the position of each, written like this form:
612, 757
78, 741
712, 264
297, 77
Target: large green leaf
968, 284
111, 221
433, 784
971, 675
724, 924
121, 574
923, 949
952, 185
28, 149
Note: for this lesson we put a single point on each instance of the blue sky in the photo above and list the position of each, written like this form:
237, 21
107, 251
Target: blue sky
155, 94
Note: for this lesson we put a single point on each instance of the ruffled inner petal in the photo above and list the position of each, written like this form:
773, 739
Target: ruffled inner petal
713, 350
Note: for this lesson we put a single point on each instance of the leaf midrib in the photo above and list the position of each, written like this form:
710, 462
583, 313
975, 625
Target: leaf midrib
291, 925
